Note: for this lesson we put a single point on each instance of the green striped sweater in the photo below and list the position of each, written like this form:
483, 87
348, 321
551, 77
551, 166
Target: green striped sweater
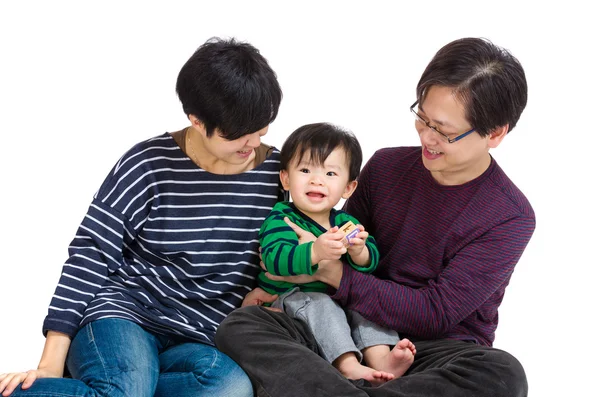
283, 256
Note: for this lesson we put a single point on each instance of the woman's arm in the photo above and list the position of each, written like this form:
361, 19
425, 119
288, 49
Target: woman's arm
52, 364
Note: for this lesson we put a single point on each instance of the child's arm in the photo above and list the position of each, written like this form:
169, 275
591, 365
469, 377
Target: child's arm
282, 255
363, 254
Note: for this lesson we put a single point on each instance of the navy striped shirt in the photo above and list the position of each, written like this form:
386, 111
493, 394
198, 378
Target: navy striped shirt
165, 244
448, 250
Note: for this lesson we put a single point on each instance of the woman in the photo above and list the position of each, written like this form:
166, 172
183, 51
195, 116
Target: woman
169, 246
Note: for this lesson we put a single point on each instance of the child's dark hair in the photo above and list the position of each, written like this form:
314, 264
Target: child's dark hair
320, 139
229, 86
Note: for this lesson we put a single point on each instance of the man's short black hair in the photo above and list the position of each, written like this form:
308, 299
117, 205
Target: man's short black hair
486, 78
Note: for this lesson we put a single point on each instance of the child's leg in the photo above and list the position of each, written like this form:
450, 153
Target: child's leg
395, 361
351, 368
327, 321
381, 347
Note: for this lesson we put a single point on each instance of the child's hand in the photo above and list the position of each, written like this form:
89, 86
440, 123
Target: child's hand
358, 243
328, 246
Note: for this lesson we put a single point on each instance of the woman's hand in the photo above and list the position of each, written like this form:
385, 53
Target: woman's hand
52, 364
258, 297
10, 381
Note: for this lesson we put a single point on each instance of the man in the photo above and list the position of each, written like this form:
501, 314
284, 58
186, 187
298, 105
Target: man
450, 226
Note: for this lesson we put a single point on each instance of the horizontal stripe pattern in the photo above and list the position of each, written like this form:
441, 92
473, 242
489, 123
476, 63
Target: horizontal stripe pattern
165, 244
283, 256
449, 250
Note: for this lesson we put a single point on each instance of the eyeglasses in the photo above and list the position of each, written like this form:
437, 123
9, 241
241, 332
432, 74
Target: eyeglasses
422, 120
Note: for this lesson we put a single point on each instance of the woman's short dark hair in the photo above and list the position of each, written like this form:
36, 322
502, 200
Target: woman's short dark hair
228, 85
486, 78
320, 139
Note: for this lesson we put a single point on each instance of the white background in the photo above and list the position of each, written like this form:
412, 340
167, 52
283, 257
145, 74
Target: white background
81, 83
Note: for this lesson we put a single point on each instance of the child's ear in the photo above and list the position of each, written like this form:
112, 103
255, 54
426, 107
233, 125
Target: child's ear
284, 176
350, 188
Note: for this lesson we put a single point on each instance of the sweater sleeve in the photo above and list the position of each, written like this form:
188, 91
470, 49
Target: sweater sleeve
476, 272
97, 249
281, 253
94, 253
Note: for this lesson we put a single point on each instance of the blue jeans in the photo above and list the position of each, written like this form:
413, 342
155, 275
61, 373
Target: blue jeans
114, 357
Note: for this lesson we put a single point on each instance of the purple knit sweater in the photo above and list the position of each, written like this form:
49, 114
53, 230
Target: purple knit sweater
447, 252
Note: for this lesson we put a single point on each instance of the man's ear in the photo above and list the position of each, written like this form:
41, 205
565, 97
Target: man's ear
350, 188
496, 136
284, 176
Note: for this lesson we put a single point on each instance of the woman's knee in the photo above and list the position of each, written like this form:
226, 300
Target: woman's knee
218, 375
114, 357
236, 382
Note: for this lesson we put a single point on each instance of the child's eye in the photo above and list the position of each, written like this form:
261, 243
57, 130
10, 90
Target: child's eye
331, 173
304, 170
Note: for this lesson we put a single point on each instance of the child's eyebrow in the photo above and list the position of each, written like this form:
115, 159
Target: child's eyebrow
304, 163
334, 166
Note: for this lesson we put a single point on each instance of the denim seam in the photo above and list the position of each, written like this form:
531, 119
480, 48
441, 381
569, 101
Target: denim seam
93, 340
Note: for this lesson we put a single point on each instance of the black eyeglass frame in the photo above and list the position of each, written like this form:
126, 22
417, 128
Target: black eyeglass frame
450, 140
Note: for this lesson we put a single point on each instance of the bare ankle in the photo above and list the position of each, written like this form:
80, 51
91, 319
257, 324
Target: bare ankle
375, 356
346, 363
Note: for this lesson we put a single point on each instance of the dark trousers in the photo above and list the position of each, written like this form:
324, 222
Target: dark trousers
281, 359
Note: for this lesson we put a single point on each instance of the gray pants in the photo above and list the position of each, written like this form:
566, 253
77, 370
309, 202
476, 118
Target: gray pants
335, 330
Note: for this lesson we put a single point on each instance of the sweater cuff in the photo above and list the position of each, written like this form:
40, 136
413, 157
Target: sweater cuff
342, 294
65, 327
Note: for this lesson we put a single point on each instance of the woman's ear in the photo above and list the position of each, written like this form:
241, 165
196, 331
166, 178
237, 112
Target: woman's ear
197, 124
350, 188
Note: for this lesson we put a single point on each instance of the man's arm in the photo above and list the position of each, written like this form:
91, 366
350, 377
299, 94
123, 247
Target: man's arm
479, 270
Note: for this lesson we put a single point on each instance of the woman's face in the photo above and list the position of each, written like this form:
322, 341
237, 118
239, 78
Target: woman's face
236, 152
218, 155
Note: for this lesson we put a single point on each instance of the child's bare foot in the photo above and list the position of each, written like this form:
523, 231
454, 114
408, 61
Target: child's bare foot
360, 371
399, 359
351, 368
